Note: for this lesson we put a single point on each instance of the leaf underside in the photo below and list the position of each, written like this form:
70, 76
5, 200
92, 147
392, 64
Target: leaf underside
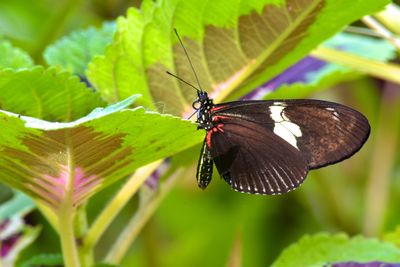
55, 161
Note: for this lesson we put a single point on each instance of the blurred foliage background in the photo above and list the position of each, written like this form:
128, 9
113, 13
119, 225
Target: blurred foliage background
217, 226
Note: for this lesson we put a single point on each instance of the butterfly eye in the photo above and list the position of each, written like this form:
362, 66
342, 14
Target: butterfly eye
196, 104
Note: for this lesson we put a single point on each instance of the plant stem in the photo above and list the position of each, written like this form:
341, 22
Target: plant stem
381, 30
48, 213
386, 71
390, 17
86, 256
117, 203
143, 214
68, 244
66, 214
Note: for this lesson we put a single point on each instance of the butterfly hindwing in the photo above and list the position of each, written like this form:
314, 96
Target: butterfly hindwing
253, 159
324, 132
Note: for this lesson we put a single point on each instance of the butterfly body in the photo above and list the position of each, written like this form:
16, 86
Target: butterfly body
268, 147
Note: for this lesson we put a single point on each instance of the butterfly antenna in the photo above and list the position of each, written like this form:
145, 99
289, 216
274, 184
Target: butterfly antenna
182, 80
188, 58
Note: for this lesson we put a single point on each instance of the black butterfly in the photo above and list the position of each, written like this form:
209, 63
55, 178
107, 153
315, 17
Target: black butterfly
268, 147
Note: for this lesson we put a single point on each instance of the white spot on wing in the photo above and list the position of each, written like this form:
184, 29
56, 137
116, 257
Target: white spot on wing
285, 129
276, 112
292, 127
285, 134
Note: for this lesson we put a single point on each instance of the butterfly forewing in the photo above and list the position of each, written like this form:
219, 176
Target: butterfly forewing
252, 159
324, 132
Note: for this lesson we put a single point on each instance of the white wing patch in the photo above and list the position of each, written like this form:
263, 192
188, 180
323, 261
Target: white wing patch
284, 128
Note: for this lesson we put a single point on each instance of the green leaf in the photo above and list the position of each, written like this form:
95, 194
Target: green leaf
57, 162
19, 204
74, 51
232, 45
325, 248
120, 72
44, 260
12, 57
46, 93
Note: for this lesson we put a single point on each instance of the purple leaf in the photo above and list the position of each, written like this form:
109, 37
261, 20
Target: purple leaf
299, 72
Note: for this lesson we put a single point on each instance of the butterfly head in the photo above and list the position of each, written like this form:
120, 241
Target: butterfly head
203, 105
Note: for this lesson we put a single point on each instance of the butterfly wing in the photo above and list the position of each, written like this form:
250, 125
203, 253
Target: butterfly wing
324, 132
253, 159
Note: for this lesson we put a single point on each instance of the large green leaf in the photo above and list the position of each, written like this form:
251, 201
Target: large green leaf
74, 51
322, 249
46, 93
120, 72
233, 44
12, 57
54, 161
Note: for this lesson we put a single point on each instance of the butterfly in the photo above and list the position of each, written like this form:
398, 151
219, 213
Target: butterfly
268, 146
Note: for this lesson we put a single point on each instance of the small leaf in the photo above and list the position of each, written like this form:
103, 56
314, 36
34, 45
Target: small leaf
53, 161
44, 260
12, 57
19, 204
46, 93
322, 249
74, 51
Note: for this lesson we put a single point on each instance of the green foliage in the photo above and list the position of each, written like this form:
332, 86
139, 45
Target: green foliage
60, 154
74, 51
12, 57
332, 74
44, 260
49, 94
232, 56
321, 249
